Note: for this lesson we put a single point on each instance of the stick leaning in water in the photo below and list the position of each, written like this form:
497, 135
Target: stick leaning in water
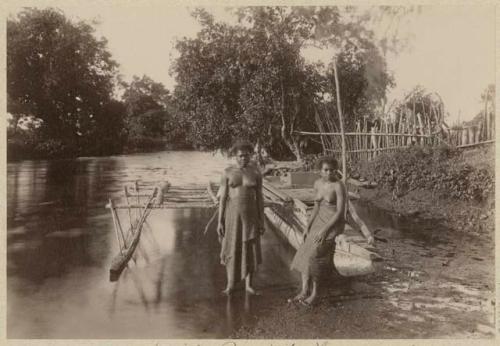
209, 223
214, 198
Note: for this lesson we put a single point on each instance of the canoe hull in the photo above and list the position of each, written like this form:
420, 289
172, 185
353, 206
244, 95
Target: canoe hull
349, 259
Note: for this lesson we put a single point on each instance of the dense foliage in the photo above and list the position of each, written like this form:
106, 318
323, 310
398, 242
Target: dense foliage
250, 80
61, 85
58, 72
150, 119
247, 80
442, 170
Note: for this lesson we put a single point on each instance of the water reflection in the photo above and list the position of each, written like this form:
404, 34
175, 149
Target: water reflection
53, 217
411, 229
186, 281
61, 241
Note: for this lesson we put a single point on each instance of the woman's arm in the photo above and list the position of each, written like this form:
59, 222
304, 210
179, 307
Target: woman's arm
260, 203
310, 222
341, 198
317, 201
314, 212
223, 192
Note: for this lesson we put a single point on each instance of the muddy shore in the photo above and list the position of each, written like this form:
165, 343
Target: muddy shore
436, 280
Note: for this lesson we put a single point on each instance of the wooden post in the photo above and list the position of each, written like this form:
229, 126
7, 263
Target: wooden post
398, 130
341, 121
465, 137
405, 127
403, 130
362, 138
486, 118
493, 117
374, 142
388, 130
387, 138
421, 126
492, 124
472, 134
356, 138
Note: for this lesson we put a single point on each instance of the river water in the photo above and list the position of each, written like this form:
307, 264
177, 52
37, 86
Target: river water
60, 243
61, 240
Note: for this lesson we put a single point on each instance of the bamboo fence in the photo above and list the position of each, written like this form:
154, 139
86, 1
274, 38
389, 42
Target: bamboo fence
369, 140
405, 128
480, 131
367, 145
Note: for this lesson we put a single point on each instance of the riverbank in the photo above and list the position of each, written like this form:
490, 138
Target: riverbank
433, 283
454, 187
25, 147
437, 279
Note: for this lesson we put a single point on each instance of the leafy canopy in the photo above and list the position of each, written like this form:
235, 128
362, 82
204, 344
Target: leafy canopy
250, 80
59, 72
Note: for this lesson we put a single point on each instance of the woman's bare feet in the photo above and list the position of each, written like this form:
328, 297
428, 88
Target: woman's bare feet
310, 300
251, 291
228, 291
298, 297
312, 297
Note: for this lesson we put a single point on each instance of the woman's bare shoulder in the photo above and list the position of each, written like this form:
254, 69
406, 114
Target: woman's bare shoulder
318, 184
317, 188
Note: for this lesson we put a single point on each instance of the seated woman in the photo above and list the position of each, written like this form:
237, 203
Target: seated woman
314, 257
241, 218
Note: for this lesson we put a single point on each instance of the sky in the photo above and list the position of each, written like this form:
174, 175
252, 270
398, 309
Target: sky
452, 50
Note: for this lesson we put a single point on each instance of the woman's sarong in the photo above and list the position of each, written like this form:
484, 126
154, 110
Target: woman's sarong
241, 252
316, 259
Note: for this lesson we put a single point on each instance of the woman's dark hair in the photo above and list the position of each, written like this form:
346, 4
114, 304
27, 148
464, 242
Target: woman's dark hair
329, 160
241, 145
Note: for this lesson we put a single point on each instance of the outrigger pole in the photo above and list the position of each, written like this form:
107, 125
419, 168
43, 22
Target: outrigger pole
157, 196
133, 236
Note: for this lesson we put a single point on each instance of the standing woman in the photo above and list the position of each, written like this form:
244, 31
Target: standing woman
314, 257
241, 218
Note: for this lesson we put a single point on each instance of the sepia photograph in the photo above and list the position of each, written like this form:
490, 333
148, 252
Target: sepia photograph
214, 172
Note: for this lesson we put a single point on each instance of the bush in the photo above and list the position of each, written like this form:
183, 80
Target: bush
52, 148
441, 170
18, 149
141, 143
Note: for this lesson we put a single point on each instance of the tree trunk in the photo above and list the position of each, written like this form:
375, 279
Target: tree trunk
285, 125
